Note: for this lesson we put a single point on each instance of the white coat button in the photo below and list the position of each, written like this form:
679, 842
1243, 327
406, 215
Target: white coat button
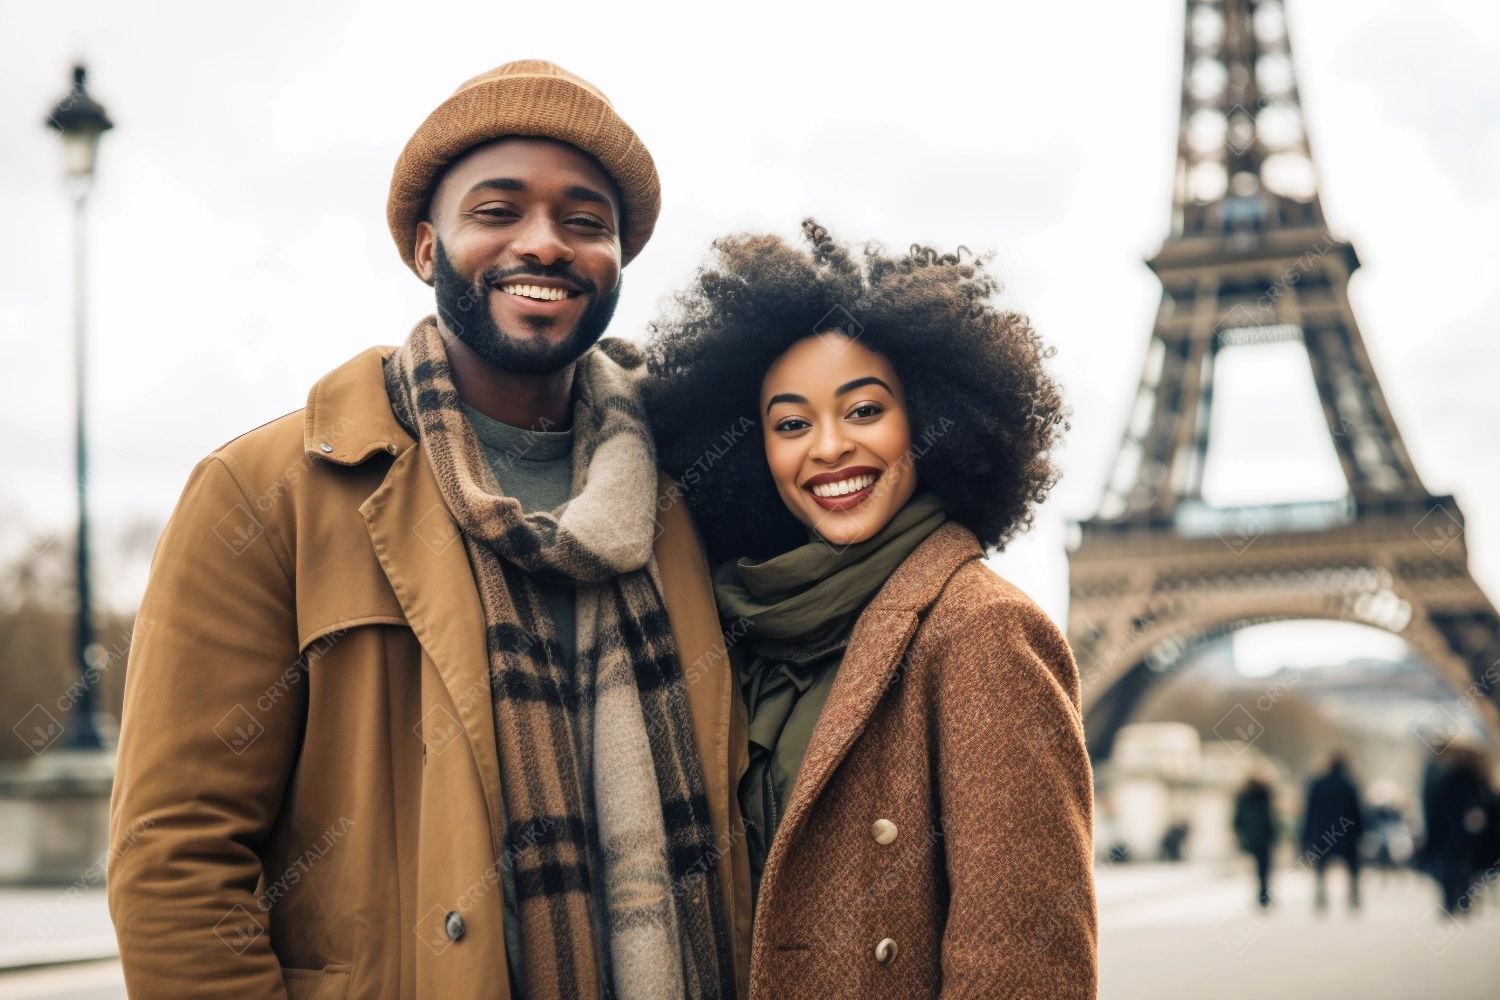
326, 448
884, 831
454, 926
885, 951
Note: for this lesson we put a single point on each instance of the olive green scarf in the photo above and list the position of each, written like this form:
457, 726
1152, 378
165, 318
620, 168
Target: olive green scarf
796, 612
796, 595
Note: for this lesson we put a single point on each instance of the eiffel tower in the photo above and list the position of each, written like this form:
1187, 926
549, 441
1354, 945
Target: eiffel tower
1250, 260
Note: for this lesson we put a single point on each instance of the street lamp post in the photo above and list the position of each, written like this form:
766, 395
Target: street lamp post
81, 120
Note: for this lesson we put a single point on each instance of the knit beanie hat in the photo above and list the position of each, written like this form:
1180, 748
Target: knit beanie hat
529, 97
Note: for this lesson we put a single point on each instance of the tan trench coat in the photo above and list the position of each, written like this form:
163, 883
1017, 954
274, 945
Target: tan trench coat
938, 840
308, 785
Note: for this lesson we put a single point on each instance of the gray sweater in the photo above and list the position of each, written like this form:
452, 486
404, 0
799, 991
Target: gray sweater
536, 468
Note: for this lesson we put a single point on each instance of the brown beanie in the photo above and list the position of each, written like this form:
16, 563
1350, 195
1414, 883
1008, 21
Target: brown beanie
528, 97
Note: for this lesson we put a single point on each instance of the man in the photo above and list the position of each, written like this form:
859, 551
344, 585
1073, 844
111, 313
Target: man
433, 701
1332, 826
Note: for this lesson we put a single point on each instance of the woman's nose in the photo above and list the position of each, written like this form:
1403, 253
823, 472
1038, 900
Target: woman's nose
830, 443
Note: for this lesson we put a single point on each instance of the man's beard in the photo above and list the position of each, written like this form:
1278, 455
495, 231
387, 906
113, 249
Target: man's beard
464, 308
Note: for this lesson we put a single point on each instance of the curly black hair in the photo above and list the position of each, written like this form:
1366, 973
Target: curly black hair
985, 415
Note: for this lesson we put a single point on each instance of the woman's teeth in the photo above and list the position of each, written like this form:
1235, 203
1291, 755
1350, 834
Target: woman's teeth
844, 486
537, 292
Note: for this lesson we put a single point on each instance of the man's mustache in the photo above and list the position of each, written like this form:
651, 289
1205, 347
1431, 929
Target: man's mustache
494, 276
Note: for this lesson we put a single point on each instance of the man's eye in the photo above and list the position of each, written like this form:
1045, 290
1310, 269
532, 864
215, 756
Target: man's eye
586, 221
497, 213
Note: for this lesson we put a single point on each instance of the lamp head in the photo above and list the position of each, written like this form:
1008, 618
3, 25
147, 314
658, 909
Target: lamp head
81, 120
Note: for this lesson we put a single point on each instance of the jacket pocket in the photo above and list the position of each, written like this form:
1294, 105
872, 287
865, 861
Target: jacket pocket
328, 983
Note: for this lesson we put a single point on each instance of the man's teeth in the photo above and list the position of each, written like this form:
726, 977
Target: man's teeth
537, 292
844, 486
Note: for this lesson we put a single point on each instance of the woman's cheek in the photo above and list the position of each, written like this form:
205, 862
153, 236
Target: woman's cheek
785, 462
894, 443
776, 459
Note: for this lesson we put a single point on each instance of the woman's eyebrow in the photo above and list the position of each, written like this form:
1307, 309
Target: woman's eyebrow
867, 380
785, 397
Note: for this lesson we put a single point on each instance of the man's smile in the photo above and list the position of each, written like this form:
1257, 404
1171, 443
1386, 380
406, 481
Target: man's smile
537, 292
541, 289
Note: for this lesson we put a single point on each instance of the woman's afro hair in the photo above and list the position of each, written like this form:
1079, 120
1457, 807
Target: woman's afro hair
985, 415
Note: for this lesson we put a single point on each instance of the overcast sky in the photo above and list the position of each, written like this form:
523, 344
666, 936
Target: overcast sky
240, 249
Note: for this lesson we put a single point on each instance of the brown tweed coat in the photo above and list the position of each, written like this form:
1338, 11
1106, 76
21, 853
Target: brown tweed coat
955, 718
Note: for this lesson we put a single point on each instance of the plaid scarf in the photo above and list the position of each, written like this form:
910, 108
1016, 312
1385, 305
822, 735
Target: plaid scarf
609, 834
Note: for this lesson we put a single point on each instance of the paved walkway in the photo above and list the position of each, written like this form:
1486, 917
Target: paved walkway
66, 924
1166, 932
74, 981
1180, 931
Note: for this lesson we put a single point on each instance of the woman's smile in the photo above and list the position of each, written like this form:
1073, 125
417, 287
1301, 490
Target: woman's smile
843, 489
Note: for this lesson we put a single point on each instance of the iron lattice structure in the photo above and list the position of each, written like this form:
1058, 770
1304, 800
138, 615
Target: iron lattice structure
1250, 260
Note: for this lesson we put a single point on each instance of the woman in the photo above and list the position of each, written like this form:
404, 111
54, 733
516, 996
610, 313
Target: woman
918, 798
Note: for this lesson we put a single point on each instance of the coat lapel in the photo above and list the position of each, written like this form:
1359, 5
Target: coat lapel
348, 421
870, 666
422, 552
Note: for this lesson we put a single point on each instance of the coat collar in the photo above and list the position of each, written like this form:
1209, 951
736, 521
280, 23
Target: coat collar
916, 583
348, 417
872, 663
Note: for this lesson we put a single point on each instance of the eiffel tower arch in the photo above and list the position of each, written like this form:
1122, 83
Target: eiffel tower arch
1251, 260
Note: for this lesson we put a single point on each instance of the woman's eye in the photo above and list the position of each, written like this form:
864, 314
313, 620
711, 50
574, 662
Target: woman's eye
792, 424
865, 410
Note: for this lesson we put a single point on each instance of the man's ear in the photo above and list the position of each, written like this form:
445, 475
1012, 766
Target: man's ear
425, 251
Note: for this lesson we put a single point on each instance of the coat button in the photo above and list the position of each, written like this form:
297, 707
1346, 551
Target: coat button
884, 831
326, 448
453, 926
885, 951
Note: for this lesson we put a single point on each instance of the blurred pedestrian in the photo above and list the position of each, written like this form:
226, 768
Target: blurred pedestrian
1173, 840
1255, 828
1432, 776
1332, 826
1461, 817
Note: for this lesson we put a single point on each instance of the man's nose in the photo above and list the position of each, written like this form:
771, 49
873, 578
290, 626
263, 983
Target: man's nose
538, 237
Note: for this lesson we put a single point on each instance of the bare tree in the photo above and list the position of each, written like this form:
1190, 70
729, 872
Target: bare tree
37, 606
